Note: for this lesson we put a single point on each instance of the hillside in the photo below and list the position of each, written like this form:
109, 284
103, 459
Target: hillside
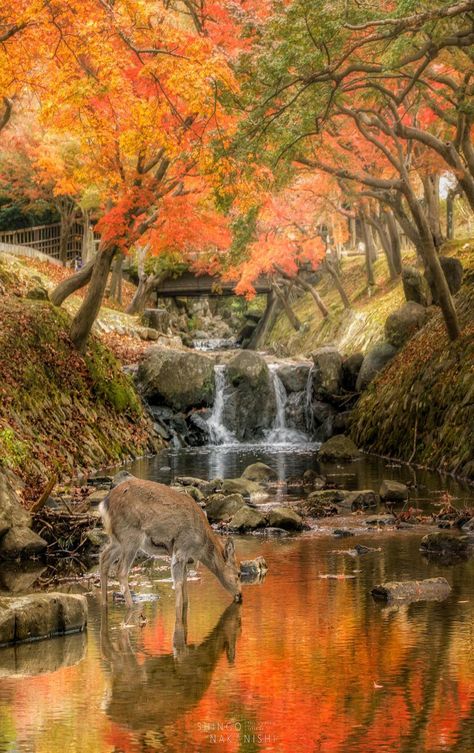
60, 412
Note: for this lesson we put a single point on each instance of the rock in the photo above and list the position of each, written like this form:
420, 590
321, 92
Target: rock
180, 379
18, 577
350, 371
431, 589
196, 494
148, 333
158, 319
295, 411
197, 429
403, 323
294, 376
342, 533
442, 543
100, 482
322, 420
321, 496
25, 618
362, 500
97, 537
342, 422
415, 286
259, 472
338, 448
242, 486
220, 507
453, 271
98, 496
393, 491
286, 518
11, 511
374, 361
21, 542
247, 519
249, 403
199, 483
469, 526
38, 293
381, 520
327, 371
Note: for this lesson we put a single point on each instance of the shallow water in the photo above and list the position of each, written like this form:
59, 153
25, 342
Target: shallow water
306, 663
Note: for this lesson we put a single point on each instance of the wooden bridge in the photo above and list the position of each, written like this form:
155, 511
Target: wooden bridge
189, 285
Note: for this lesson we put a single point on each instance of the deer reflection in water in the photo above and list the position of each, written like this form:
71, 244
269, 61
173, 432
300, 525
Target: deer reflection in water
151, 694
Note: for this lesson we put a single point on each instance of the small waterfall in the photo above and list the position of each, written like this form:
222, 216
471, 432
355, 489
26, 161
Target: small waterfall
218, 433
216, 343
280, 433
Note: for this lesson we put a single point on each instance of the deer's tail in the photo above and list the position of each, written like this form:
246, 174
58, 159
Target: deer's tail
105, 515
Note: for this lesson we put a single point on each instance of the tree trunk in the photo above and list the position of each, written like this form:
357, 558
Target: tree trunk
386, 244
394, 240
293, 319
116, 281
338, 284
306, 286
353, 233
73, 283
266, 323
146, 285
368, 257
431, 193
82, 323
64, 234
430, 257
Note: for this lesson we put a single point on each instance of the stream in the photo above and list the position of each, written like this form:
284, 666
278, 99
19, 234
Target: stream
306, 663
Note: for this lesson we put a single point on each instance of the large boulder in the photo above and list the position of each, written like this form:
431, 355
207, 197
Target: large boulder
294, 376
177, 378
338, 448
21, 542
393, 491
221, 507
321, 420
374, 361
453, 271
443, 543
327, 371
16, 538
242, 486
250, 404
295, 411
415, 286
158, 319
403, 323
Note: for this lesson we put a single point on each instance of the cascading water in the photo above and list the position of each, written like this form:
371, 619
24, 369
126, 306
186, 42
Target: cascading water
309, 415
218, 433
280, 433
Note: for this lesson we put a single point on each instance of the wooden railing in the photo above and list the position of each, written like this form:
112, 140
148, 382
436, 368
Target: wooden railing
45, 238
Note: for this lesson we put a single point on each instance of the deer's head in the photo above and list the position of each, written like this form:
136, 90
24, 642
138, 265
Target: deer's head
230, 576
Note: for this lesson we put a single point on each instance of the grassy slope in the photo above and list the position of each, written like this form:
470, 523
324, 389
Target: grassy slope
354, 330
59, 411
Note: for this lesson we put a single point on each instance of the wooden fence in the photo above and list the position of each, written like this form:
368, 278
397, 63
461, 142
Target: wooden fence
45, 238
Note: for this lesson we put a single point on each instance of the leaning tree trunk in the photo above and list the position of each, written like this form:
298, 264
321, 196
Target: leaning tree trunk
73, 283
386, 244
338, 284
306, 286
266, 322
82, 323
293, 319
431, 193
146, 286
428, 252
368, 255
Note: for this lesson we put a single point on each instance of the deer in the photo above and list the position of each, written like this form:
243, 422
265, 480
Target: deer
150, 517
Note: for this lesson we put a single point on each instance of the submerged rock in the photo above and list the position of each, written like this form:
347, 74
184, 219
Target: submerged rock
431, 589
339, 448
247, 519
253, 567
259, 472
442, 543
242, 486
393, 491
362, 499
286, 518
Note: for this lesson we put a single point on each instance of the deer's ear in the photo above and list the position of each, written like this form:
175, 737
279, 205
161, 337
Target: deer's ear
229, 550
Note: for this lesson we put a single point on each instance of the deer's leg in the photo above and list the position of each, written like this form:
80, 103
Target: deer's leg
123, 570
108, 556
178, 573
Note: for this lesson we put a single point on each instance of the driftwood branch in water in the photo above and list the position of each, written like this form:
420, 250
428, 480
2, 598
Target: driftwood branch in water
44, 497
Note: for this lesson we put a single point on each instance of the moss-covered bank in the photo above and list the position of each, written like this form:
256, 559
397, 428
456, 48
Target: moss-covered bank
60, 412
421, 408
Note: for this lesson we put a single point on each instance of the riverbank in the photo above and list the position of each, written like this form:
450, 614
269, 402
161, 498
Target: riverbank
61, 413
